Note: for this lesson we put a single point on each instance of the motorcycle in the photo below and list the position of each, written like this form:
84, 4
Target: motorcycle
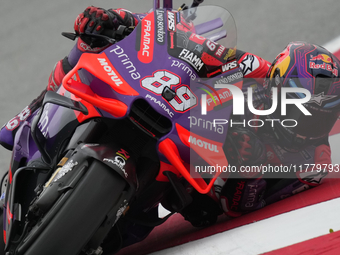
122, 135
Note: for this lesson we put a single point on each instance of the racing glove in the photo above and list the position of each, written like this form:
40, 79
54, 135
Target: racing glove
95, 20
244, 148
240, 196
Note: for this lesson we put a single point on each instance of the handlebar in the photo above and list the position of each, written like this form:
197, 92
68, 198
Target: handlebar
118, 34
107, 35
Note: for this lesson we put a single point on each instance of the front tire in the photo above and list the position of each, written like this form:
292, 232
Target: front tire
80, 215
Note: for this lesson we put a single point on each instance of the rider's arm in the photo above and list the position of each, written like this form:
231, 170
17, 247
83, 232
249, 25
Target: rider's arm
253, 66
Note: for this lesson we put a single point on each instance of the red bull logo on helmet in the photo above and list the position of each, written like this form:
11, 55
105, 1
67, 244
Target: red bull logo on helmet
327, 64
325, 58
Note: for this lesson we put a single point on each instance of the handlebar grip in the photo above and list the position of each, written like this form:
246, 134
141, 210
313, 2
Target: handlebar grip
109, 33
118, 34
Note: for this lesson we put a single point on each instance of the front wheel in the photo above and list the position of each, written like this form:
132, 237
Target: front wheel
76, 216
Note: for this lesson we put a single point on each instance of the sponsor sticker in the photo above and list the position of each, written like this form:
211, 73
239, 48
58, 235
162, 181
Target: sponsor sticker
229, 66
171, 21
145, 54
191, 58
160, 30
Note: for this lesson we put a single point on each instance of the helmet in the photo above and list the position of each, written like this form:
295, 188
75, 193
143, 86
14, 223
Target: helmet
312, 67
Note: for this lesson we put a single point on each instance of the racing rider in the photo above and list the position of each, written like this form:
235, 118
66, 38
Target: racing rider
255, 192
299, 145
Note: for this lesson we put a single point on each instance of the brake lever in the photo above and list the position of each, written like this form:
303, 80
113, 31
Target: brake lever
73, 36
196, 3
108, 35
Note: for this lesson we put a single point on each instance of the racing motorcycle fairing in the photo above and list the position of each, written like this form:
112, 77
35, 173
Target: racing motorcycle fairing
124, 74
41, 129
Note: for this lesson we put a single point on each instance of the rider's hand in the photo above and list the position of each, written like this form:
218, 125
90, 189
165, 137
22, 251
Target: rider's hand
243, 147
239, 196
94, 20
